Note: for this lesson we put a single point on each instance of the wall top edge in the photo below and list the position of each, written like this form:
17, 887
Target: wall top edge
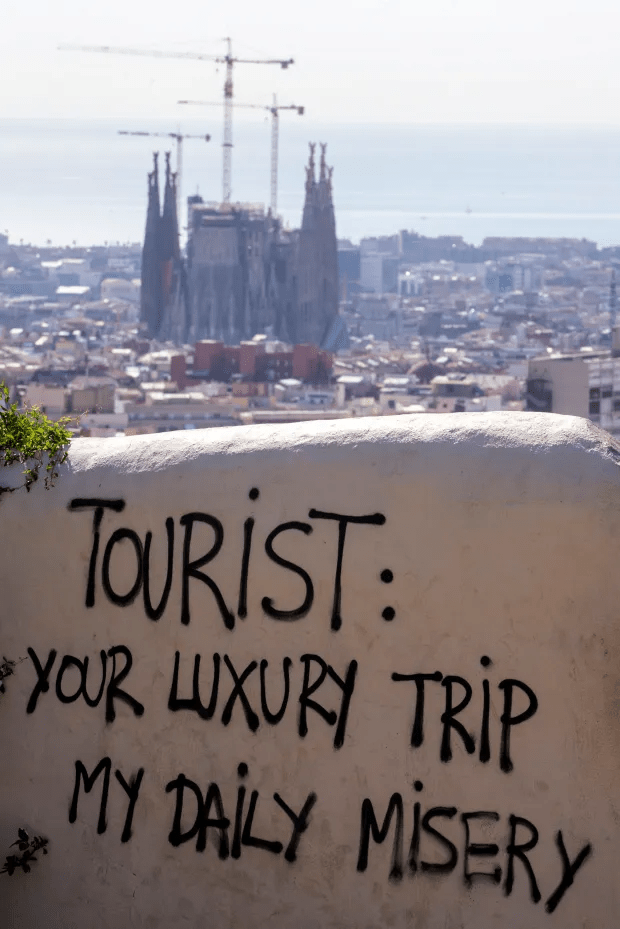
539, 432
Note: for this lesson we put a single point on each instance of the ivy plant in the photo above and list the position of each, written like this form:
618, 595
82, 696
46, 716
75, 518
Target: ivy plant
7, 667
28, 847
31, 438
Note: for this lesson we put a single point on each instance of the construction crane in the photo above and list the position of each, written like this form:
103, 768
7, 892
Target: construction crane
273, 108
226, 59
178, 137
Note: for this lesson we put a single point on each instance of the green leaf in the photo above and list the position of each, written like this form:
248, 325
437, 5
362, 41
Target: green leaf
28, 436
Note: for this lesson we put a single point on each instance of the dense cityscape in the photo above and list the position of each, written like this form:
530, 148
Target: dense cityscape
251, 322
285, 646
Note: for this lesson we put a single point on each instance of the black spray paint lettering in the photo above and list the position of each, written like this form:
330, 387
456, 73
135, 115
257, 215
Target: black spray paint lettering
122, 599
69, 661
191, 569
137, 554
194, 703
449, 721
131, 789
299, 820
508, 720
203, 820
156, 612
239, 692
479, 849
274, 718
242, 605
448, 864
43, 672
119, 668
436, 834
98, 505
514, 850
267, 604
206, 697
209, 815
190, 566
451, 725
569, 869
374, 519
345, 684
370, 827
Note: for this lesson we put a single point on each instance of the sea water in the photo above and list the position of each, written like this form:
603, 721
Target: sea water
79, 181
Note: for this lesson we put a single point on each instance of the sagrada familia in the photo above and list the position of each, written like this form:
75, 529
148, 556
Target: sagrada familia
243, 273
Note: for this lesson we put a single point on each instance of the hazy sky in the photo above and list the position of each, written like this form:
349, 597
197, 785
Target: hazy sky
369, 61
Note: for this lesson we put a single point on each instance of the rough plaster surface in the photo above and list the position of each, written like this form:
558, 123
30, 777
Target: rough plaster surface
502, 533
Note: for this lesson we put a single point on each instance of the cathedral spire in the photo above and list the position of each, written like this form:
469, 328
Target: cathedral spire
150, 291
317, 256
169, 219
322, 175
310, 172
173, 278
153, 182
310, 199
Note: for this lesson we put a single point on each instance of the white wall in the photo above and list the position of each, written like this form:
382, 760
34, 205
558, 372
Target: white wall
501, 533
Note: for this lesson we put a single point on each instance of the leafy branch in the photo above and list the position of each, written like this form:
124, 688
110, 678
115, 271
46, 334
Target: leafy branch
28, 848
28, 436
7, 667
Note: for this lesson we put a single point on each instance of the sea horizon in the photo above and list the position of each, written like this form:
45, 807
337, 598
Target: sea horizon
76, 180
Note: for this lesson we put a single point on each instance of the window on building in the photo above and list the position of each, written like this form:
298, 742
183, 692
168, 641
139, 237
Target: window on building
595, 407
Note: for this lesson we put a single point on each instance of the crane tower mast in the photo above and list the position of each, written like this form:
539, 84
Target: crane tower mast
227, 142
178, 137
229, 60
273, 108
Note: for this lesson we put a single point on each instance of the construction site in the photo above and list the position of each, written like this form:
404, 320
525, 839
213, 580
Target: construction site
240, 272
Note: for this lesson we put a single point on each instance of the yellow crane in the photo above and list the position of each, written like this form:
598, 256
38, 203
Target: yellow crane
178, 137
228, 59
273, 108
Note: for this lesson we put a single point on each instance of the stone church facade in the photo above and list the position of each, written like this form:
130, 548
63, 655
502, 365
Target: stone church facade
243, 273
